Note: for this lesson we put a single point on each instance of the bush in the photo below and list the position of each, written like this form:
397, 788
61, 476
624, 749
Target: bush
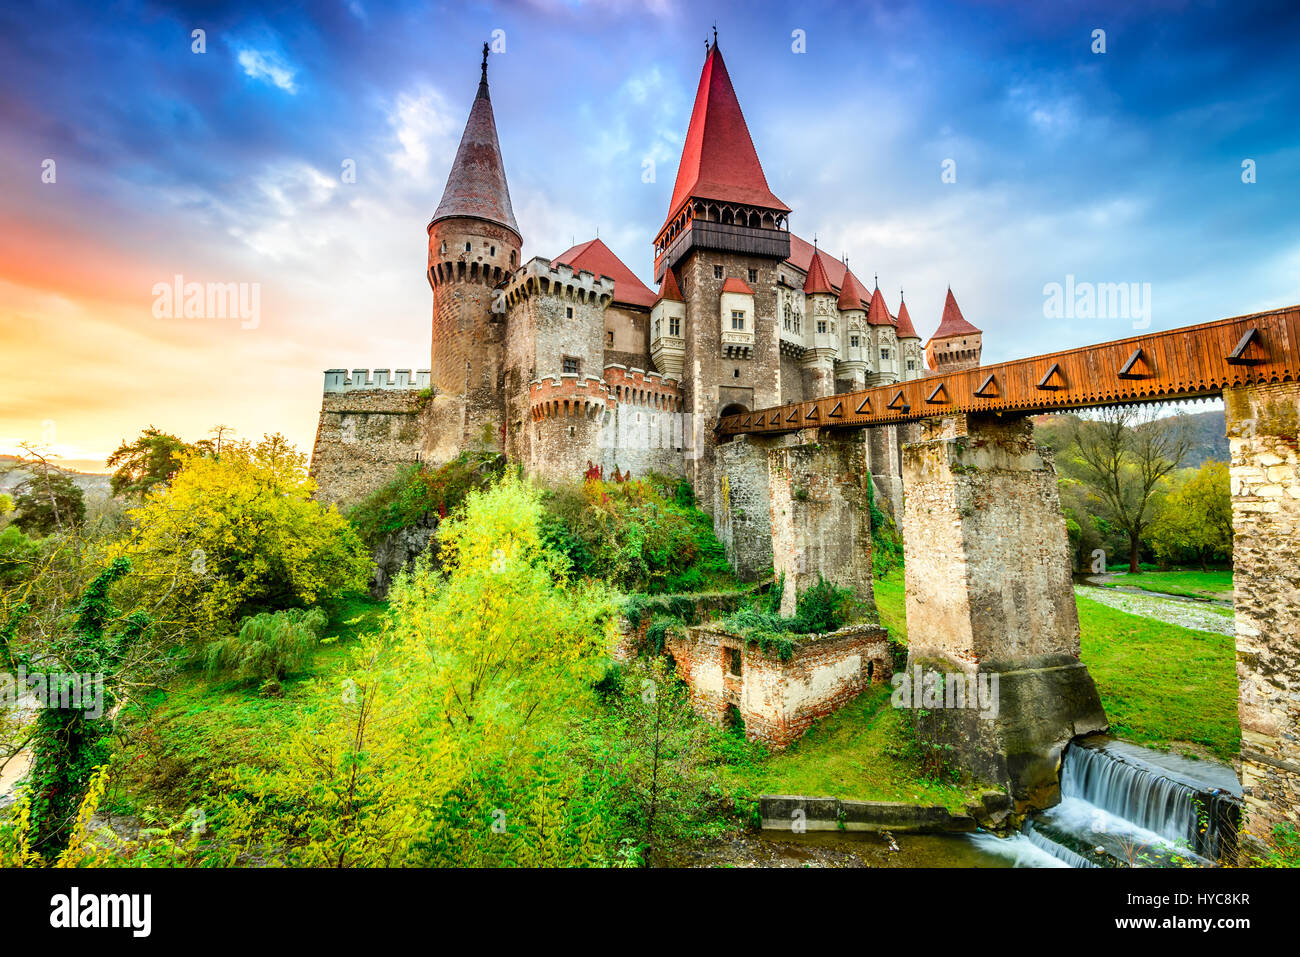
644, 535
18, 555
269, 646
419, 492
823, 607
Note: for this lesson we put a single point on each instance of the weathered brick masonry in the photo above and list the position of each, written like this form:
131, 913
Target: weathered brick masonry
1262, 429
778, 700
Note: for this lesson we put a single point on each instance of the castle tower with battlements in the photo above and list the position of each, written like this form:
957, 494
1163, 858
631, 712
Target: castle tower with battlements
573, 366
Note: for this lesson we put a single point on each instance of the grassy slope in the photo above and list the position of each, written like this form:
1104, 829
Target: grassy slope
195, 727
1162, 684
1192, 584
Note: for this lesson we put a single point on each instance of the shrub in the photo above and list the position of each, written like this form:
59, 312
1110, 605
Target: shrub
642, 535
419, 492
268, 647
823, 607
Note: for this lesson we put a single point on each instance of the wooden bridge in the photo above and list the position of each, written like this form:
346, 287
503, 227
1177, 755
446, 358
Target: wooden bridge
1186, 363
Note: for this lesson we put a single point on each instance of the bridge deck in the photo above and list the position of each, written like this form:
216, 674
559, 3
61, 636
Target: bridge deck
1190, 362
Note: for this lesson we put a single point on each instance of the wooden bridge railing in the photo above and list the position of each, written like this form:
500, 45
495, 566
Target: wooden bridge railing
1184, 363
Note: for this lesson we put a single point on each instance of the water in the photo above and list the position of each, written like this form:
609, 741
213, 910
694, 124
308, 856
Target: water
1128, 806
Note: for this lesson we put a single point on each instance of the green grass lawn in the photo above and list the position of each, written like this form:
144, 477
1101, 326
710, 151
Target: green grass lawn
1185, 582
851, 755
196, 727
1162, 684
890, 603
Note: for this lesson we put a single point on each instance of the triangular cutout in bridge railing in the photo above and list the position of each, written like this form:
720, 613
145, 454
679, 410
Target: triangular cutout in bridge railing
865, 407
813, 413
1053, 380
776, 418
794, 415
939, 396
1238, 356
1136, 366
989, 388
899, 402
836, 411
745, 424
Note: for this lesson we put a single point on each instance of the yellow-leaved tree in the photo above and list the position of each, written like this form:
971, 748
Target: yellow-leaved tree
239, 533
436, 747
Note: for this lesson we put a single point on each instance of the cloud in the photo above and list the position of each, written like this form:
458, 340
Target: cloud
265, 65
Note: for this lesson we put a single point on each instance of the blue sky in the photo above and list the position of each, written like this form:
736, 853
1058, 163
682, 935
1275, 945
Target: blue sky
1124, 166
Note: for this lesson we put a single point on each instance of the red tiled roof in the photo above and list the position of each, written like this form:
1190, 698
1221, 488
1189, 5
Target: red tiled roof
953, 322
718, 158
801, 254
598, 258
476, 186
817, 280
733, 284
852, 293
905, 328
878, 314
669, 289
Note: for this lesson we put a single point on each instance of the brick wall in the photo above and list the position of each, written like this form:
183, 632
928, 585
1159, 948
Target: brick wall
779, 700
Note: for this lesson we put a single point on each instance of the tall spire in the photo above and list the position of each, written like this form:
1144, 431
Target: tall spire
952, 323
476, 187
718, 158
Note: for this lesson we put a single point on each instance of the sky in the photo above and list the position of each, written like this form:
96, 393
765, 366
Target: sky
988, 146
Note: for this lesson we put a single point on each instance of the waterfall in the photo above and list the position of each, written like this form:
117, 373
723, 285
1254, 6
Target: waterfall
1128, 806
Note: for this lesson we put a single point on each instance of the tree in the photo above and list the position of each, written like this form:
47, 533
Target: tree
6, 504
1124, 455
150, 460
664, 745
48, 501
1196, 520
233, 536
71, 741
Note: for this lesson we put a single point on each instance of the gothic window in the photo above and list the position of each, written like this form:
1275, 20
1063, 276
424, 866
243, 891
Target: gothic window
658, 328
753, 276
853, 342
570, 365
911, 365
717, 272
674, 326
821, 325
884, 353
737, 319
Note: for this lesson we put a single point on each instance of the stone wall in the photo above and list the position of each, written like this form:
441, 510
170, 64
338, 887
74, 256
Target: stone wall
1262, 431
363, 438
821, 519
742, 516
778, 700
989, 595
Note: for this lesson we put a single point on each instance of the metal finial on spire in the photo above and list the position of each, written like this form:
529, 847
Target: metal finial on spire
900, 293
485, 56
877, 280
715, 33
814, 240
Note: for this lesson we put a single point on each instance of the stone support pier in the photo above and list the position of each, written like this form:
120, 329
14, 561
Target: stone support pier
1262, 431
990, 603
821, 520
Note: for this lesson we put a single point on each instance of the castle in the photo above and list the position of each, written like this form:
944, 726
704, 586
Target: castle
571, 363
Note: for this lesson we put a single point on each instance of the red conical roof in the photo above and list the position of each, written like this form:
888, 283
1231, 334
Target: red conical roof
905, 328
817, 280
878, 314
953, 322
718, 158
669, 289
852, 293
476, 186
596, 257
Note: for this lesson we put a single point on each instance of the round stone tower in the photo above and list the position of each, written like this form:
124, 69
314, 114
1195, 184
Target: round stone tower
474, 245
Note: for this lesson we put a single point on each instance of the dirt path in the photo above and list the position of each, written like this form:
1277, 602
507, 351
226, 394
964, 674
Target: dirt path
1200, 616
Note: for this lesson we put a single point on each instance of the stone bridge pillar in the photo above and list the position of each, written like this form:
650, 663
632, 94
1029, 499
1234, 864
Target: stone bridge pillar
821, 518
990, 603
742, 513
1262, 431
